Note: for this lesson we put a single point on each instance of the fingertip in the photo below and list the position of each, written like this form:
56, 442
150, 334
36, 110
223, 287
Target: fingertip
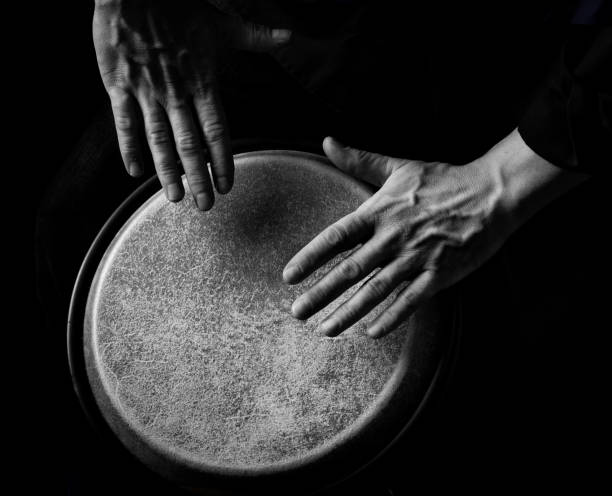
174, 193
135, 170
330, 143
330, 329
335, 151
224, 185
299, 309
204, 201
375, 332
378, 329
291, 274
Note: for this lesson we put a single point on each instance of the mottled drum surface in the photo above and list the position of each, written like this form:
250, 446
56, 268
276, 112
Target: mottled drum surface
189, 336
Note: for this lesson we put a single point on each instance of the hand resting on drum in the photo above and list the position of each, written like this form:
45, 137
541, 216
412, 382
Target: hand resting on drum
428, 226
158, 63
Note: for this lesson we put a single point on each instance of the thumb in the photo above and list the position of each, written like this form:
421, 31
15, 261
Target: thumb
369, 167
258, 38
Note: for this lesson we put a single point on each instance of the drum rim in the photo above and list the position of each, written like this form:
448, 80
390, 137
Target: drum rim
78, 305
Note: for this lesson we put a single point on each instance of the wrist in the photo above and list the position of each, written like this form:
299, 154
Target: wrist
528, 181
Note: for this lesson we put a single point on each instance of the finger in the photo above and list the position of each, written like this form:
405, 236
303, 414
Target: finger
344, 275
340, 236
190, 150
212, 120
161, 143
128, 125
369, 167
405, 303
258, 38
372, 293
186, 131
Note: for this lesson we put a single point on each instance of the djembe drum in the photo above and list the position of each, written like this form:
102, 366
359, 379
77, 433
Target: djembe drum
182, 342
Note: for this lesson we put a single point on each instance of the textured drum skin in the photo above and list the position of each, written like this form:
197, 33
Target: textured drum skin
194, 358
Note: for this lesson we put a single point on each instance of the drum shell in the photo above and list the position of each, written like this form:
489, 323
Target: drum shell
341, 462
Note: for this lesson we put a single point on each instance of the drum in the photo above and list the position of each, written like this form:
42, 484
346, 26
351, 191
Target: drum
183, 347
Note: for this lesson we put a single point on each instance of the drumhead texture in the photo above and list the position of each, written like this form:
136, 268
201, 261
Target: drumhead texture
190, 345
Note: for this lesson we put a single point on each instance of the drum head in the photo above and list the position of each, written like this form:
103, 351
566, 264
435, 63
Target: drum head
192, 356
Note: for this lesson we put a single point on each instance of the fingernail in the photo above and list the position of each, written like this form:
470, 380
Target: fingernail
281, 35
134, 169
291, 273
173, 192
203, 201
223, 185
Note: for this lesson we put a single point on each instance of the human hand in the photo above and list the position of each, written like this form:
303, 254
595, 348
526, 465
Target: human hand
159, 61
427, 227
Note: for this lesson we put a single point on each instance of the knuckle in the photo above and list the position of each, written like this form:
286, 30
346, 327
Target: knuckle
125, 123
166, 173
111, 78
119, 96
335, 235
129, 146
158, 135
175, 92
396, 235
313, 296
187, 143
203, 92
378, 287
368, 209
213, 130
350, 269
176, 101
359, 157
408, 297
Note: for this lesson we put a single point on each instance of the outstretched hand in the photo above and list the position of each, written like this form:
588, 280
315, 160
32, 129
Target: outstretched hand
159, 61
427, 227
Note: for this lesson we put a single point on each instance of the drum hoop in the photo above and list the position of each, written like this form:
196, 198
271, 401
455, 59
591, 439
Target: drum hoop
78, 303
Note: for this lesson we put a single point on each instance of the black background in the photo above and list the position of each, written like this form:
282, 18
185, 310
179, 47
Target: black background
527, 406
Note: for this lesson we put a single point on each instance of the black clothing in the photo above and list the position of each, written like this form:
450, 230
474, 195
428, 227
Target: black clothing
569, 122
341, 49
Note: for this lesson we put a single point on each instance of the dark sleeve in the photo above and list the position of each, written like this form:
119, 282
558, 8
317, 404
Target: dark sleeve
569, 121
